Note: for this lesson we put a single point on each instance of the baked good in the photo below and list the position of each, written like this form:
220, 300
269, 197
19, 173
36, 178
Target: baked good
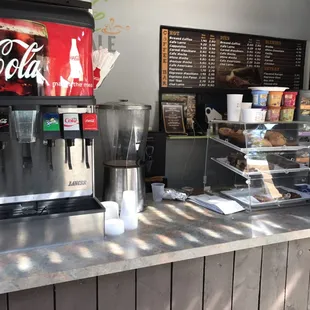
261, 143
238, 139
302, 160
262, 198
282, 161
268, 134
288, 195
237, 160
276, 139
224, 131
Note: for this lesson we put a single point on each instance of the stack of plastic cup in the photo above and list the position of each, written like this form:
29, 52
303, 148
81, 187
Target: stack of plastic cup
114, 226
129, 212
111, 209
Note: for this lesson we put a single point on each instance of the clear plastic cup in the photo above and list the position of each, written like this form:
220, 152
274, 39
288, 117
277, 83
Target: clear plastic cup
158, 190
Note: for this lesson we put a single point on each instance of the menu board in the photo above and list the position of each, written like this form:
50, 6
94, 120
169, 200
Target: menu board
200, 59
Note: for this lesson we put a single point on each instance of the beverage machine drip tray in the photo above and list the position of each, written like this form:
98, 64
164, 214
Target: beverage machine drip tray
50, 222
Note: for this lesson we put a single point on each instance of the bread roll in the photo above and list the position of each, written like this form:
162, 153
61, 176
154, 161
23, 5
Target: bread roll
261, 143
224, 131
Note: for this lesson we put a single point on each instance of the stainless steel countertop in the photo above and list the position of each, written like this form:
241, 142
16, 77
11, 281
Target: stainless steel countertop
167, 232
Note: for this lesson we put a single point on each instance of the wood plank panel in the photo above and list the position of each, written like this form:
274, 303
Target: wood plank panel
33, 299
218, 281
187, 284
154, 288
273, 276
297, 281
76, 295
3, 302
246, 279
117, 291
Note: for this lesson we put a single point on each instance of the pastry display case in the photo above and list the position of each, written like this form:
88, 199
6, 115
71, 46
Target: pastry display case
260, 165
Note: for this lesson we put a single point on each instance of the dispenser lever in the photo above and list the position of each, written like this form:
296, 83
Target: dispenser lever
51, 132
27, 158
2, 147
86, 153
50, 154
68, 146
71, 131
89, 132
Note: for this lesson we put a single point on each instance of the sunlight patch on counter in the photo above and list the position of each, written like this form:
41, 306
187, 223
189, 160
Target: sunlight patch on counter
160, 214
211, 233
166, 240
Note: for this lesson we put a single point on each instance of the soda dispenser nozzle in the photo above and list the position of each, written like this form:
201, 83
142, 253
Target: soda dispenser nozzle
51, 132
71, 131
89, 132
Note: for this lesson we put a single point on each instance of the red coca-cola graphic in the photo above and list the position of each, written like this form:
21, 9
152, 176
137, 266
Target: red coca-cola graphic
45, 59
90, 122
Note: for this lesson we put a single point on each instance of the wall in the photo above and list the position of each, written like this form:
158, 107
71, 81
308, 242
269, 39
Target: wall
133, 28
272, 277
135, 76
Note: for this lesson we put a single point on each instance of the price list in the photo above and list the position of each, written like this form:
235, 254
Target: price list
283, 63
202, 59
239, 58
185, 63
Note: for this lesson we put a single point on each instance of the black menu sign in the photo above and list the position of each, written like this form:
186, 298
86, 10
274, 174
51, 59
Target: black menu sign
199, 59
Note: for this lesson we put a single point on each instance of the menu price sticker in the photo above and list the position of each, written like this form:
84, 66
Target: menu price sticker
202, 59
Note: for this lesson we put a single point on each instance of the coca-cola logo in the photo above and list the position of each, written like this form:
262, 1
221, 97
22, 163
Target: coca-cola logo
71, 121
25, 68
90, 120
3, 121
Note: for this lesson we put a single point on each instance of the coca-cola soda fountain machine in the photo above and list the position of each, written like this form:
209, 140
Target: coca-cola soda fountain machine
47, 124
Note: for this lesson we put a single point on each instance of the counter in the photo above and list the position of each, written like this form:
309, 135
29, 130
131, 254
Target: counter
173, 232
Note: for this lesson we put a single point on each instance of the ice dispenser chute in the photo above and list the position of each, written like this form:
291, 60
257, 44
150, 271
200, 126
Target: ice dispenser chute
25, 123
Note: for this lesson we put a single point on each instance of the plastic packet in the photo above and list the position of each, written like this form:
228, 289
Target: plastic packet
172, 194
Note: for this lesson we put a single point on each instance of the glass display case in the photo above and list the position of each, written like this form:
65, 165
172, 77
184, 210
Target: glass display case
259, 165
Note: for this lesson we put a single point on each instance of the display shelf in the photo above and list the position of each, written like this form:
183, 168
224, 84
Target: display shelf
269, 173
247, 197
248, 175
216, 121
186, 137
261, 149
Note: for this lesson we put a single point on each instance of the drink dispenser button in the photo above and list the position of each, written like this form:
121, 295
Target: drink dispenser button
51, 126
51, 132
4, 128
4, 136
89, 132
71, 131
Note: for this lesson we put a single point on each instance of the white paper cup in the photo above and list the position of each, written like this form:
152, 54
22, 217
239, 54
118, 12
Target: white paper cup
234, 107
253, 115
245, 105
158, 190
111, 209
130, 222
114, 227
